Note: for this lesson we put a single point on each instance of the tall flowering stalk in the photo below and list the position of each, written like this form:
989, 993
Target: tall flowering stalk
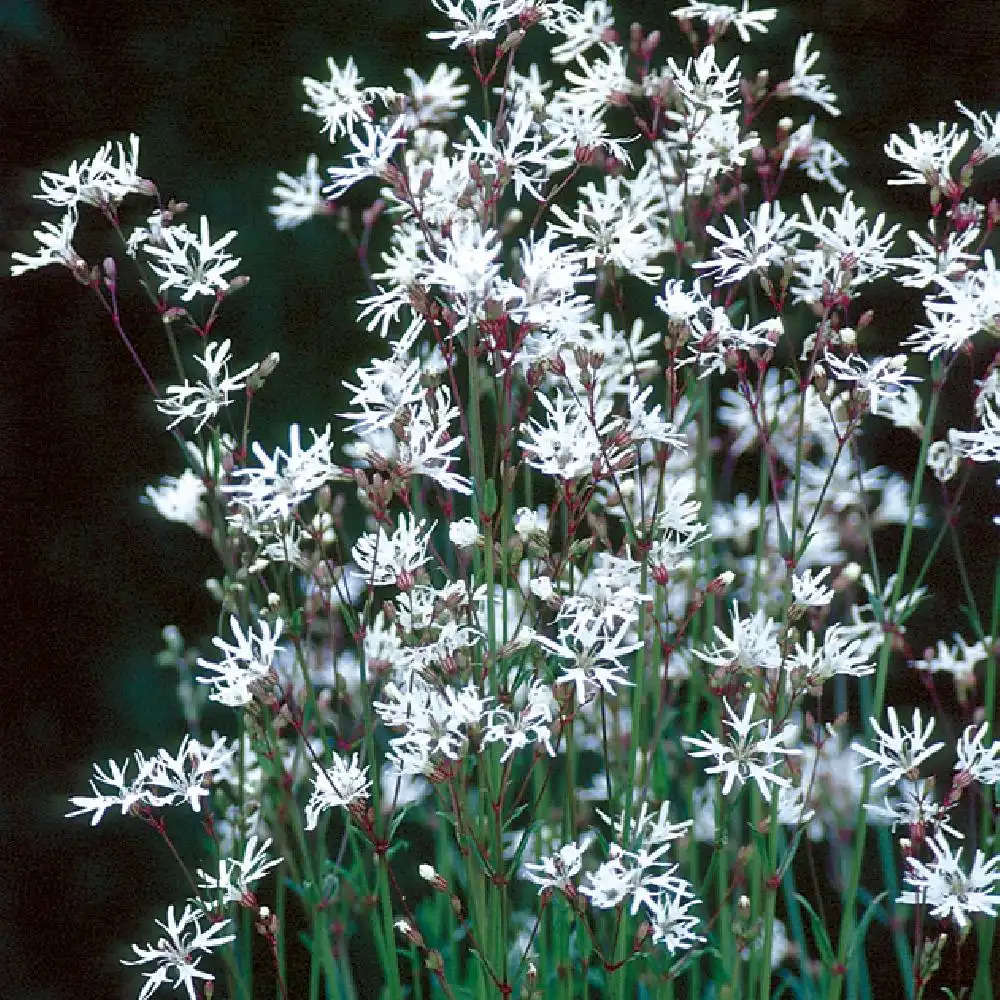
538, 666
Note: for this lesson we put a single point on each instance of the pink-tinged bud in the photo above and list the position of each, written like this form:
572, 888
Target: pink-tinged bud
721, 583
173, 314
513, 40
410, 932
642, 932
651, 44
264, 370
428, 874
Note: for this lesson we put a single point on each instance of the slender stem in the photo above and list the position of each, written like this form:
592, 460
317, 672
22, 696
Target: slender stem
846, 932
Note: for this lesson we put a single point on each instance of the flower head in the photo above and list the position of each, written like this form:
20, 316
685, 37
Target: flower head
947, 889
193, 264
749, 753
177, 952
339, 782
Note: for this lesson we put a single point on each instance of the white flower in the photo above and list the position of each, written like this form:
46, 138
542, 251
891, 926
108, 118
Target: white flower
467, 268
177, 952
716, 338
342, 101
179, 498
596, 656
516, 152
879, 378
981, 445
900, 752
340, 782
558, 870
903, 409
808, 86
385, 560
383, 392
672, 925
516, 730
848, 248
816, 156
748, 754
435, 723
958, 659
641, 875
370, 158
56, 248
809, 590
705, 86
715, 146
615, 229
437, 98
582, 29
938, 257
566, 446
203, 400
841, 653
193, 264
599, 81
247, 663
427, 447
966, 304
187, 776
769, 237
915, 806
680, 303
753, 646
719, 16
299, 198
977, 760
986, 131
464, 533
119, 790
235, 877
928, 158
947, 889
651, 830
99, 181
474, 20
283, 480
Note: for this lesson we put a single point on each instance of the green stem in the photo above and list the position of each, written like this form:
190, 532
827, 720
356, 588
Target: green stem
983, 986
846, 932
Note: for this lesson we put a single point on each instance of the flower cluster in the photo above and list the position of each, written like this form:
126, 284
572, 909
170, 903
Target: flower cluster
529, 564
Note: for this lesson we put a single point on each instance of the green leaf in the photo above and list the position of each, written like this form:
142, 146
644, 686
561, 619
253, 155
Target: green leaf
819, 932
398, 818
859, 932
760, 841
515, 863
489, 499
509, 822
790, 853
784, 542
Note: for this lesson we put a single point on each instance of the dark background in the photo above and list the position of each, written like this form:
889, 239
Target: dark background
90, 576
